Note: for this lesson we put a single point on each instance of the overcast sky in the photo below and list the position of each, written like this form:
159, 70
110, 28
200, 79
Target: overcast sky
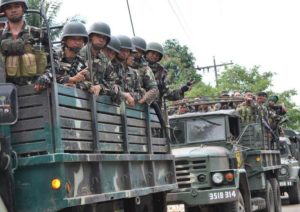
247, 32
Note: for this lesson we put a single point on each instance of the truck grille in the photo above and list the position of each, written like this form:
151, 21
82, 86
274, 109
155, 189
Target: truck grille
184, 168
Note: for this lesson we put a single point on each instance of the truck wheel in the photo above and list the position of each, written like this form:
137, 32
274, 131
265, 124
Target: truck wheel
294, 193
276, 194
237, 206
269, 198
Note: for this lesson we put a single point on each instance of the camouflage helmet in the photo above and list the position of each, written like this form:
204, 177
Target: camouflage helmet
114, 44
125, 42
100, 28
139, 43
156, 47
6, 2
73, 29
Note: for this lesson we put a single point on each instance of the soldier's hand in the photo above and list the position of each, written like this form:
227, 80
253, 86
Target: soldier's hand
95, 89
80, 76
129, 99
84, 72
42, 82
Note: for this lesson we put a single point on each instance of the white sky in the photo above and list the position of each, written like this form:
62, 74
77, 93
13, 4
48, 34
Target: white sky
248, 32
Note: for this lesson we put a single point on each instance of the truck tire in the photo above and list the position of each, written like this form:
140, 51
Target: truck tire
269, 198
276, 194
237, 206
294, 193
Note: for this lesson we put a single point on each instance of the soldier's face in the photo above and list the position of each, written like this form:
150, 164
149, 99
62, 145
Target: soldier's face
98, 41
130, 60
153, 56
75, 42
109, 53
14, 12
124, 54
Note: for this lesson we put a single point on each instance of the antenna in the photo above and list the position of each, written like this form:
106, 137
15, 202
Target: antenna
132, 27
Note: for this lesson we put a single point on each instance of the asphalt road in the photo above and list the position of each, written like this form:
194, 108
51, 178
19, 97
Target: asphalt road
289, 208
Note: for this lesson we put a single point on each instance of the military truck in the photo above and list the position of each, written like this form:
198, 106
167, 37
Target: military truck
223, 165
289, 172
64, 149
69, 151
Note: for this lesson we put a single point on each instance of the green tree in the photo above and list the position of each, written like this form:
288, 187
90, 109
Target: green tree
49, 7
241, 79
180, 63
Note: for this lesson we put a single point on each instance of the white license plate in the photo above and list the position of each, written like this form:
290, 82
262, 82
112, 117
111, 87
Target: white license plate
285, 183
176, 208
222, 195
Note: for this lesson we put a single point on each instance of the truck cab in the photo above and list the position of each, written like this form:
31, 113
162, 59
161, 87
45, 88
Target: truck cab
289, 172
211, 147
206, 168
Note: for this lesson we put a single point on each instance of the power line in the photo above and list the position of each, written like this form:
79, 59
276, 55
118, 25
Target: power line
178, 18
131, 21
203, 68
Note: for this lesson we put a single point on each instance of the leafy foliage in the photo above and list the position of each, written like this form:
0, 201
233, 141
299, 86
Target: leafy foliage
49, 7
240, 79
180, 63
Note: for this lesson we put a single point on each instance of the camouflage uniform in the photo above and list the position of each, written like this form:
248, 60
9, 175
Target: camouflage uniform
128, 79
102, 71
160, 74
69, 68
33, 38
247, 112
147, 80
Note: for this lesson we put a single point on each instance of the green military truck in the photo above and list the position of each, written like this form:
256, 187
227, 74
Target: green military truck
71, 151
222, 165
289, 172
64, 149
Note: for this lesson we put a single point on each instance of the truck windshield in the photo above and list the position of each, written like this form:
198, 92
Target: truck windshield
206, 129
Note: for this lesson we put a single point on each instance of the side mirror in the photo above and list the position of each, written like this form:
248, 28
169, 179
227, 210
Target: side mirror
8, 104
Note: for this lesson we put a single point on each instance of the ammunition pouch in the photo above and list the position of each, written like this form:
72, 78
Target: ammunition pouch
12, 66
11, 47
41, 61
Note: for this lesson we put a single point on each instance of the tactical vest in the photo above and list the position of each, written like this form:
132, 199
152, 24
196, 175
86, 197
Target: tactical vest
22, 59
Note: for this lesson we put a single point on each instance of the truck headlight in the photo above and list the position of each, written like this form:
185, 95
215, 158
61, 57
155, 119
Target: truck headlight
217, 178
284, 170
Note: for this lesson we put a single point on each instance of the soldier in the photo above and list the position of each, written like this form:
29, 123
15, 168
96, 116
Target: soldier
148, 81
23, 47
154, 54
276, 113
247, 109
111, 78
73, 70
261, 98
272, 104
99, 36
128, 77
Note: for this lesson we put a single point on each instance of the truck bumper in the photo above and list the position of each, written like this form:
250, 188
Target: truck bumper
203, 197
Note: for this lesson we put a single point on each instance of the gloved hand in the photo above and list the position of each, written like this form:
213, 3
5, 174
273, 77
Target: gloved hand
43, 82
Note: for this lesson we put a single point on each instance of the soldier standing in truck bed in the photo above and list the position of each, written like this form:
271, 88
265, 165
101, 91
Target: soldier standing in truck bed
99, 37
24, 48
147, 78
72, 69
154, 54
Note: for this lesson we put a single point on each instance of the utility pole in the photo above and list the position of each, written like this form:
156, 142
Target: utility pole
203, 68
131, 21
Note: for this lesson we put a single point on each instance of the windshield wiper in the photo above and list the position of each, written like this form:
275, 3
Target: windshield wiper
210, 122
